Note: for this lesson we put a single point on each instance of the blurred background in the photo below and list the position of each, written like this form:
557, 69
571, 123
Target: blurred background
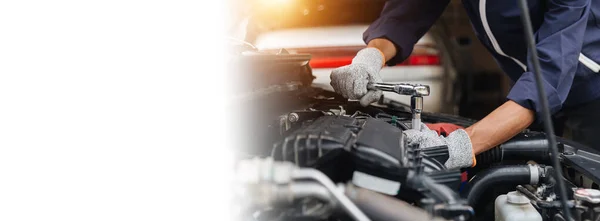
465, 79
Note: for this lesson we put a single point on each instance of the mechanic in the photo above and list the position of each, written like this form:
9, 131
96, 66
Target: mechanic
567, 34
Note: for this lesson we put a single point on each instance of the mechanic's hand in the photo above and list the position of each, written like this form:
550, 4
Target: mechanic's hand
351, 80
458, 142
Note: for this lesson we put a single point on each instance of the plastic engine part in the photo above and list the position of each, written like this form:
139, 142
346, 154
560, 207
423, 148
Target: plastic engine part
363, 150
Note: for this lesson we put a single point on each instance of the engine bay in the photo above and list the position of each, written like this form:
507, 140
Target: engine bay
310, 154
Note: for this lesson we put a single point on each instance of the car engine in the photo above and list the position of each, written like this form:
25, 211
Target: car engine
309, 154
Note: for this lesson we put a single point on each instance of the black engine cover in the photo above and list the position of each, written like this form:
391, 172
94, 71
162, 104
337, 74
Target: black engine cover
365, 150
315, 139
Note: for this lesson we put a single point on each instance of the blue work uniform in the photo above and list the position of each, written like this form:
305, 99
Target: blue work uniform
567, 34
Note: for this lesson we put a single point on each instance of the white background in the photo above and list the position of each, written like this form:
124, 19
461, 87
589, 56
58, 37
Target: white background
112, 110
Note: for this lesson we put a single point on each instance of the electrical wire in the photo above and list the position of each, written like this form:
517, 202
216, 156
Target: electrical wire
525, 19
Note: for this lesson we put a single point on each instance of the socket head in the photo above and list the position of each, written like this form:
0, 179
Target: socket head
421, 90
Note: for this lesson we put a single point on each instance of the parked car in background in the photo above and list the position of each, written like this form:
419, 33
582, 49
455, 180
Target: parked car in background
332, 32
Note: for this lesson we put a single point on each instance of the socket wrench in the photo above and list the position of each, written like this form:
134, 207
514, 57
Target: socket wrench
416, 93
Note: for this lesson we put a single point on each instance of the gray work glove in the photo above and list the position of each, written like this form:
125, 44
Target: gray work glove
351, 80
458, 142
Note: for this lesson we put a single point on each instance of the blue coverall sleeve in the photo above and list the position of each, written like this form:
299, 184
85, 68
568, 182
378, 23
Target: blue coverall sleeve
404, 22
559, 41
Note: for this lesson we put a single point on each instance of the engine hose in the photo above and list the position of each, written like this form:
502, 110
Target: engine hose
502, 175
380, 207
521, 147
441, 192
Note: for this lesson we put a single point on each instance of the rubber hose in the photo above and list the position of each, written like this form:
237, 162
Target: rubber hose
490, 156
380, 207
503, 175
530, 146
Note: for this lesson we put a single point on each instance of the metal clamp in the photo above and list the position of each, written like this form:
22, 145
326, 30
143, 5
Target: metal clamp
416, 91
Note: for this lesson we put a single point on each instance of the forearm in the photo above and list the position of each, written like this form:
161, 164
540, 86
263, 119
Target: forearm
499, 126
387, 48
